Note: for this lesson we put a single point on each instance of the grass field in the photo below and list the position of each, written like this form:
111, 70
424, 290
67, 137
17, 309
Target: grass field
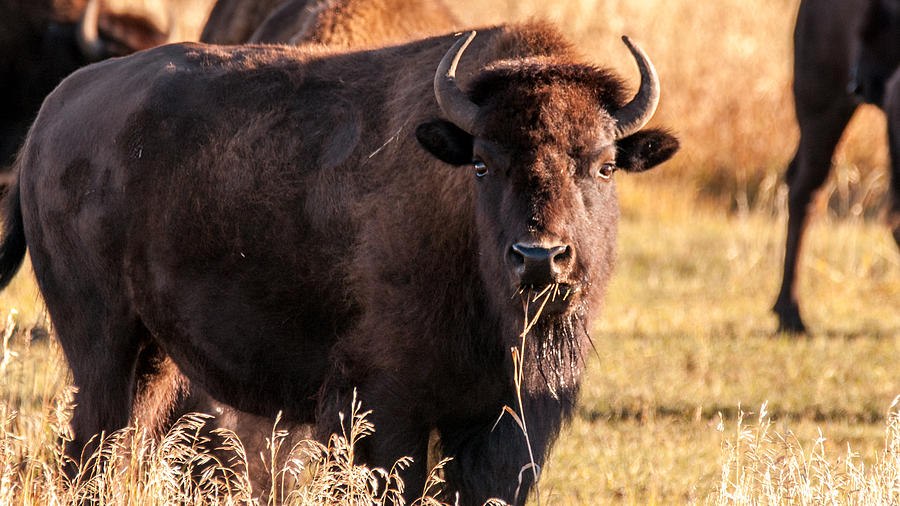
687, 334
687, 340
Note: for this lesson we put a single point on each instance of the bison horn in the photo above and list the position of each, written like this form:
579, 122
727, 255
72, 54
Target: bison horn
635, 114
455, 105
88, 34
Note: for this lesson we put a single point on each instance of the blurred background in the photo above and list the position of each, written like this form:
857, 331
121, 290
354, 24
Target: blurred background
726, 71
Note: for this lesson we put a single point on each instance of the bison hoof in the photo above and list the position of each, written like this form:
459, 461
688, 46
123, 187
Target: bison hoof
789, 320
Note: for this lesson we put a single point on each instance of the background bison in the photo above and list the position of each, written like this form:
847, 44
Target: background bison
842, 51
892, 109
303, 259
234, 21
354, 23
42, 41
335, 23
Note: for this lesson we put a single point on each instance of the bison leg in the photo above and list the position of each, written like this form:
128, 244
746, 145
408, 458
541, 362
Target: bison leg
892, 108
162, 391
819, 135
493, 461
104, 370
398, 434
106, 346
893, 218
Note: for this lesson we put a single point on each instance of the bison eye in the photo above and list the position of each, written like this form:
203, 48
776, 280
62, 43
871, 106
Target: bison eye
604, 171
480, 168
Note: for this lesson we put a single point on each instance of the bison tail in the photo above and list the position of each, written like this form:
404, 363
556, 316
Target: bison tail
12, 250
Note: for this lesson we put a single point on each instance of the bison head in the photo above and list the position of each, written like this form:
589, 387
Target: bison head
879, 50
543, 140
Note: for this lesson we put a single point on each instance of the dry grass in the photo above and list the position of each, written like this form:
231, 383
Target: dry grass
766, 466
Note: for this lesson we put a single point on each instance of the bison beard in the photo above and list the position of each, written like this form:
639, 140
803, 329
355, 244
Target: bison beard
559, 356
282, 261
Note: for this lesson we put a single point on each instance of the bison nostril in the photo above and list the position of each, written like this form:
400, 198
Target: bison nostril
561, 256
516, 257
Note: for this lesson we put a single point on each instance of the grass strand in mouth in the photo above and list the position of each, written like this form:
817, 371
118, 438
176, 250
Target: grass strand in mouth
518, 356
541, 294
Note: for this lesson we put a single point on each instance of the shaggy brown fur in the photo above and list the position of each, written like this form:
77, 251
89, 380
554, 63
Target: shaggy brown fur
335, 23
826, 39
268, 216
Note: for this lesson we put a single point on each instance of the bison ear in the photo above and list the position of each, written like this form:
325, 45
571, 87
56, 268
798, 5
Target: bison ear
645, 149
446, 141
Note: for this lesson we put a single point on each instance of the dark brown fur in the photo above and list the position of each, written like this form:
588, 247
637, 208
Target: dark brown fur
892, 109
267, 216
879, 49
827, 40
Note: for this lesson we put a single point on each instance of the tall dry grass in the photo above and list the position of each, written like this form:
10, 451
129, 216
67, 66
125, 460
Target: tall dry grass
765, 465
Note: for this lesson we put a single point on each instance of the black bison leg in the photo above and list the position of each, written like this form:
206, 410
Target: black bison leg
104, 372
892, 108
106, 346
493, 461
398, 433
893, 218
819, 134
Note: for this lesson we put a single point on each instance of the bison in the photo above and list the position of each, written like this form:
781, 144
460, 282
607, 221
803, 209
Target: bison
43, 41
354, 23
335, 23
292, 225
829, 79
892, 108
